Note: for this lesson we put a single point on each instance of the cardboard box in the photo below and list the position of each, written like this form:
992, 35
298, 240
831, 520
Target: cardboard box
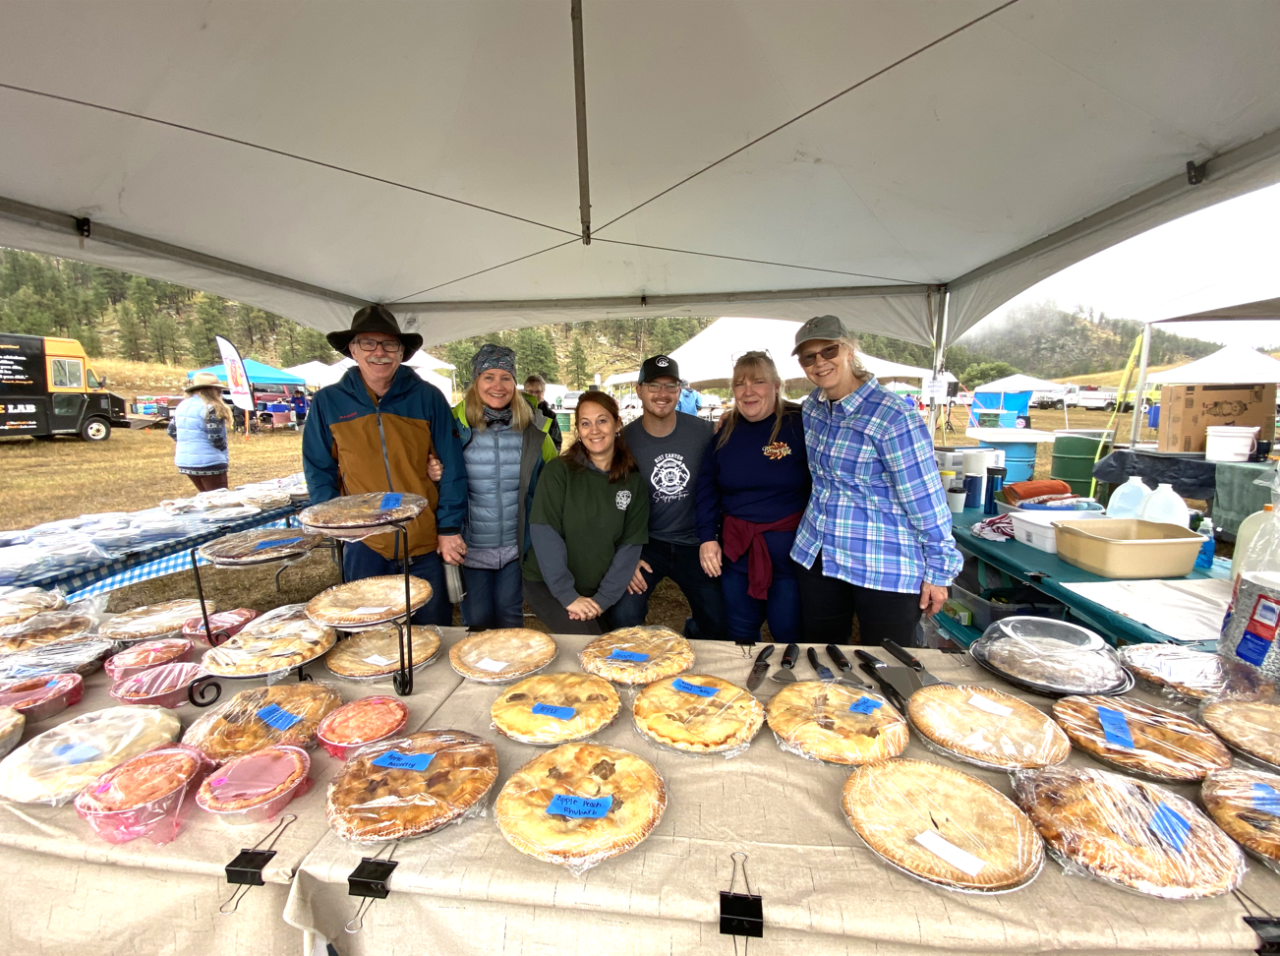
1187, 411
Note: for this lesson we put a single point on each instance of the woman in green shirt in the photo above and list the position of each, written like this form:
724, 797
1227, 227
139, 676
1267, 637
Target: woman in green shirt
590, 518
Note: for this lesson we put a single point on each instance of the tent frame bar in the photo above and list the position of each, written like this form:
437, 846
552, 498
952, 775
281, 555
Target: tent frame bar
580, 109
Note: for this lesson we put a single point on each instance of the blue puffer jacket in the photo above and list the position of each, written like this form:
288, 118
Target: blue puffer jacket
201, 435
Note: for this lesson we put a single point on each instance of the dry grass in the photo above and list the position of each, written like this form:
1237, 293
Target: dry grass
131, 379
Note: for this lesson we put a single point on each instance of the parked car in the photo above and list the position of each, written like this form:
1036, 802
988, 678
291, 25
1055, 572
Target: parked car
569, 401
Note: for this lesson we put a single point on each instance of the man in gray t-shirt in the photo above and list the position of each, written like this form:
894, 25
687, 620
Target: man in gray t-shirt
669, 446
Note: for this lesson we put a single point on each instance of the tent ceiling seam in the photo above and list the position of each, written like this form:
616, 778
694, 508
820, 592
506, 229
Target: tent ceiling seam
472, 275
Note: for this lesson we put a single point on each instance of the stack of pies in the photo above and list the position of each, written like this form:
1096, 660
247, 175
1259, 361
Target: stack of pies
637, 655
361, 722
1141, 738
368, 601
1130, 833
554, 709
942, 826
260, 545
375, 654
155, 620
986, 727
256, 786
53, 767
409, 786
48, 627
283, 639
1197, 675
1249, 728
11, 726
1246, 804
836, 723
497, 656
141, 797
280, 714
1050, 657
353, 517
82, 657
580, 804
21, 603
698, 714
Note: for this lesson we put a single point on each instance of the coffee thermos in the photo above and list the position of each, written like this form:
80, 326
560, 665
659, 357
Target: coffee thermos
995, 482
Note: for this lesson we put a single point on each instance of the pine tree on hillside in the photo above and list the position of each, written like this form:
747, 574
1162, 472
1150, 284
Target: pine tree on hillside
535, 355
210, 320
132, 345
579, 374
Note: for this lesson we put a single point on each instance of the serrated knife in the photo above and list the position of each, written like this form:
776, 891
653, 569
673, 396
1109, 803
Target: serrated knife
760, 668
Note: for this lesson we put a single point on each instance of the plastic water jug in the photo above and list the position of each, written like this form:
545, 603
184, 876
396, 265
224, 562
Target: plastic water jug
1166, 505
1126, 499
1249, 528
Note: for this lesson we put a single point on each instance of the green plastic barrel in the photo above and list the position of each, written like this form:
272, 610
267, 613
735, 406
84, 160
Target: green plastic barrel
565, 421
1073, 456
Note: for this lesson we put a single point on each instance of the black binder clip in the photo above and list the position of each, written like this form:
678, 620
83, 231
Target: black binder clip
1266, 926
741, 914
369, 881
245, 870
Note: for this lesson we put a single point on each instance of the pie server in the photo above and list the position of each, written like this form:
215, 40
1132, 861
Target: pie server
895, 681
846, 669
760, 668
919, 676
783, 674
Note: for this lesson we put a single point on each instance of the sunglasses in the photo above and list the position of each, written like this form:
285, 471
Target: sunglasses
809, 359
392, 347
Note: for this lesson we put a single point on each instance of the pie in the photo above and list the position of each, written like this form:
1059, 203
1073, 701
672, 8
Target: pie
362, 722
836, 723
698, 713
367, 601
409, 786
39, 698
140, 780
570, 706
254, 780
1054, 666
987, 727
942, 825
1165, 744
637, 655
1251, 728
21, 603
635, 792
83, 657
503, 654
1198, 675
225, 624
260, 545
154, 620
240, 725
138, 658
1128, 832
1246, 804
375, 653
276, 641
11, 725
53, 767
362, 511
48, 627
167, 685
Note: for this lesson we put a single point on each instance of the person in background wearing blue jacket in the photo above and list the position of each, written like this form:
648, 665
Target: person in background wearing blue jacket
753, 487
375, 430
199, 426
690, 400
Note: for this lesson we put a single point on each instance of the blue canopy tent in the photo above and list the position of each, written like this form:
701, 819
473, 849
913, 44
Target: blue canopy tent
259, 374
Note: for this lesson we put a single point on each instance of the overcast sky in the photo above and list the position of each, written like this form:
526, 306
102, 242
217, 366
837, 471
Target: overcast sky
1224, 255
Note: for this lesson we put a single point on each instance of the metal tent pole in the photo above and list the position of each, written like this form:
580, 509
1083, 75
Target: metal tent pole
939, 323
1135, 430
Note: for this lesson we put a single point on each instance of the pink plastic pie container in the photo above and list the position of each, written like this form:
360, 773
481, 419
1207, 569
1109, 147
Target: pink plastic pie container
225, 624
247, 789
141, 657
143, 796
163, 686
363, 721
39, 698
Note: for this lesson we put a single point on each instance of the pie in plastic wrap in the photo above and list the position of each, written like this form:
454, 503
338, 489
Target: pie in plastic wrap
698, 714
373, 510
550, 709
637, 655
367, 601
409, 786
21, 603
63, 657
836, 723
363, 721
1251, 728
276, 641
1135, 834
942, 826
987, 727
263, 781
11, 725
1051, 657
608, 800
142, 796
1246, 804
154, 620
48, 627
261, 545
503, 654
1197, 675
288, 713
375, 654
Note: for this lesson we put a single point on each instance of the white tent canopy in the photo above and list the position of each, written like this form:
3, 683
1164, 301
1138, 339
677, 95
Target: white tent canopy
442, 382
1020, 383
621, 378
778, 158
1244, 311
315, 374
1233, 365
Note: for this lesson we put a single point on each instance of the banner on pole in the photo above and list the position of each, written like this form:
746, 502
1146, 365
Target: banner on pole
237, 377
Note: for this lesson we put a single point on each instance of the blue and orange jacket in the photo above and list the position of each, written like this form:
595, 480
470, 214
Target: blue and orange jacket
353, 445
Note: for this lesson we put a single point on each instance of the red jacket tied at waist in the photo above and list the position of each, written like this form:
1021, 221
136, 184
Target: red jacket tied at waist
739, 536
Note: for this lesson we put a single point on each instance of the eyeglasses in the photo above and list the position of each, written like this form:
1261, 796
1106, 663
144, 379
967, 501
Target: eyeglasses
754, 356
671, 388
809, 359
390, 346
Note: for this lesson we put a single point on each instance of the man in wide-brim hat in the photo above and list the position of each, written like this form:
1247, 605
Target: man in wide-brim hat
373, 430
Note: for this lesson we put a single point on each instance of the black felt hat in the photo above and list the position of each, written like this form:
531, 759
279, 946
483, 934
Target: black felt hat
375, 318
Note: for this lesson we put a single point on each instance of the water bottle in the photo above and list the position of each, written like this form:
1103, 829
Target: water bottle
455, 584
1204, 560
995, 482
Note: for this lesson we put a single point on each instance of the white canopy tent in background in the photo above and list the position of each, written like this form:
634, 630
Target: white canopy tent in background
315, 374
1021, 383
1233, 365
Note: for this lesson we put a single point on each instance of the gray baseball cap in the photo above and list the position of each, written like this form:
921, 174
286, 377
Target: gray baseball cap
821, 327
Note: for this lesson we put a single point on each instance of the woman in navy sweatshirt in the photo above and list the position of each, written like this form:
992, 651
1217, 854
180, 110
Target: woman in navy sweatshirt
752, 491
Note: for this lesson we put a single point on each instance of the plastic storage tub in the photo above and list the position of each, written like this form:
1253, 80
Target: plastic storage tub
1128, 547
1063, 514
1035, 528
986, 613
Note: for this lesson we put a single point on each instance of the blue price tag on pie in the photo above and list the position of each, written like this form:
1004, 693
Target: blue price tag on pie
550, 710
395, 760
1266, 799
864, 705
701, 690
275, 544
621, 655
1170, 826
1115, 728
580, 808
76, 753
273, 715
391, 500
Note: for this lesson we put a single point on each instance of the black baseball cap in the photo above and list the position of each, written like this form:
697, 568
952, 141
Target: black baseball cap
657, 367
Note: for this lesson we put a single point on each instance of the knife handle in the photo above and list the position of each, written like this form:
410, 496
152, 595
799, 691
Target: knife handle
869, 659
813, 660
903, 655
790, 655
765, 654
841, 661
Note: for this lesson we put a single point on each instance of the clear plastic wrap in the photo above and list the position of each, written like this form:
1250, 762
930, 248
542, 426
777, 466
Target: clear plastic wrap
502, 655
22, 562
580, 804
139, 530
256, 786
409, 786
53, 767
1141, 738
1250, 728
1051, 658
82, 657
986, 727
154, 620
47, 627
355, 517
374, 655
140, 657
225, 624
361, 722
1246, 805
287, 713
1181, 673
272, 644
163, 686
143, 796
65, 553
552, 709
260, 546
1132, 834
637, 655
698, 714
19, 604
12, 724
366, 602
835, 723
942, 826
39, 698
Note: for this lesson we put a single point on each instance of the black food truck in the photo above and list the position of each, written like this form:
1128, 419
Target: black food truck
47, 388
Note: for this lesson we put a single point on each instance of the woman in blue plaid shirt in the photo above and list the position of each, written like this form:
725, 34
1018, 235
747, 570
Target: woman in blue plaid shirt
875, 540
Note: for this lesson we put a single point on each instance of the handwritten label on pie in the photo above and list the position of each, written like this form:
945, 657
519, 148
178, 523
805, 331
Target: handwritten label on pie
550, 710
379, 660
990, 706
275, 544
1266, 799
391, 500
630, 656
370, 611
395, 760
962, 860
1170, 826
1115, 728
580, 808
701, 690
273, 715
76, 753
492, 666
864, 705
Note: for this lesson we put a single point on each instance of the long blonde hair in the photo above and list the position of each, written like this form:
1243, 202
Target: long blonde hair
755, 362
473, 405
855, 363
212, 395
